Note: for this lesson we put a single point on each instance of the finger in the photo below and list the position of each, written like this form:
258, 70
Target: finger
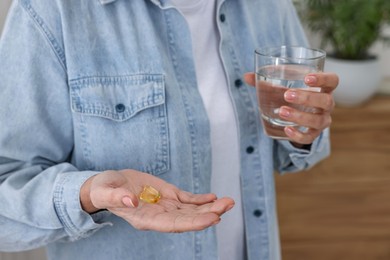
222, 205
219, 206
175, 220
129, 202
107, 197
249, 78
172, 216
301, 138
318, 121
327, 81
324, 101
185, 218
206, 216
184, 223
172, 192
198, 199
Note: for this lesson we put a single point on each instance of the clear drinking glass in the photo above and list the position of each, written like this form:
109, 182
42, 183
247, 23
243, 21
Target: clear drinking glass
277, 70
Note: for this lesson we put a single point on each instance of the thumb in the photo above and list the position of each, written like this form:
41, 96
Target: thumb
128, 202
249, 78
109, 197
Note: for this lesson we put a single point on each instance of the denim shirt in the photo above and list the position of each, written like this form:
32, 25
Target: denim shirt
92, 85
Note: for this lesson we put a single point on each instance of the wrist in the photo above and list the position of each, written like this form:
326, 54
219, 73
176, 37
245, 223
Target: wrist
85, 197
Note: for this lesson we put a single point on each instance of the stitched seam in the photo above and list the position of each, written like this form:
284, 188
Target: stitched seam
58, 202
46, 33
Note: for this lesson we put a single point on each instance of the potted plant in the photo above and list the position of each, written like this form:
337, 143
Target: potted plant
349, 28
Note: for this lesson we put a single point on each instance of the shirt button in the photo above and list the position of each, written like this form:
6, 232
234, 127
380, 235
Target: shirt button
222, 17
257, 213
120, 108
238, 83
250, 149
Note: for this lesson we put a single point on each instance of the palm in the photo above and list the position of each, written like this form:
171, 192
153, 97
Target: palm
176, 211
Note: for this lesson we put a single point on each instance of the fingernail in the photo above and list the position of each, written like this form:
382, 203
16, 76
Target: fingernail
128, 202
284, 112
290, 95
229, 207
289, 131
310, 79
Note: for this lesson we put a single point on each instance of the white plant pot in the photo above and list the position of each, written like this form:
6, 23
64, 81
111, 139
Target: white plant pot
359, 80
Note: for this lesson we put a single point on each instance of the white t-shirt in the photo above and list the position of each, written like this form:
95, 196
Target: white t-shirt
213, 87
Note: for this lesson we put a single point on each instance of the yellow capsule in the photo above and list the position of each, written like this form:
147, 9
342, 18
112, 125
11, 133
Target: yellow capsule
150, 195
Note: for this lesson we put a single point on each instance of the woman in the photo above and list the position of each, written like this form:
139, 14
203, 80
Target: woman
103, 98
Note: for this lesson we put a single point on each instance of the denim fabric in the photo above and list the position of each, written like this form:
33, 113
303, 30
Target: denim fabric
91, 85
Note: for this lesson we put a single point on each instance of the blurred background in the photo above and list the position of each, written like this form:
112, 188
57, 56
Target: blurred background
339, 209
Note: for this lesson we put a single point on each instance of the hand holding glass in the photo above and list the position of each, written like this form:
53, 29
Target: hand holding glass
277, 70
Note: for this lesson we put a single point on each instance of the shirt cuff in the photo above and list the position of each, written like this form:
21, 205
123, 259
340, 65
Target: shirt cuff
76, 222
296, 159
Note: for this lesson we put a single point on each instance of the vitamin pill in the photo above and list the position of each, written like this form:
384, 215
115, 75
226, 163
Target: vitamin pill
150, 195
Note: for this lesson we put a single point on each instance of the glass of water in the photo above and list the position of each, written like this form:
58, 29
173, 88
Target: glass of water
277, 70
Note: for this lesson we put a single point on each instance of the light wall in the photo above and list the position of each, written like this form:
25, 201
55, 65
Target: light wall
4, 5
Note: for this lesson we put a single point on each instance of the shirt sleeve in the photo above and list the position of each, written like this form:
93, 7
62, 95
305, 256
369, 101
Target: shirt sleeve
39, 188
288, 158
291, 159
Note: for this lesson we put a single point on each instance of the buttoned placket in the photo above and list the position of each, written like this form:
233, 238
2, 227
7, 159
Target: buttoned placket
250, 151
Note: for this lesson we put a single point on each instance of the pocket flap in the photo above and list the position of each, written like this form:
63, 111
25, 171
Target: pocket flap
117, 98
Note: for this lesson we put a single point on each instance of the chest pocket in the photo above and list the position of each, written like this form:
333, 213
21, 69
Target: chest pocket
121, 123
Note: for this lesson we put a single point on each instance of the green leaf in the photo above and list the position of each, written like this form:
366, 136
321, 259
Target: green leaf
350, 27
